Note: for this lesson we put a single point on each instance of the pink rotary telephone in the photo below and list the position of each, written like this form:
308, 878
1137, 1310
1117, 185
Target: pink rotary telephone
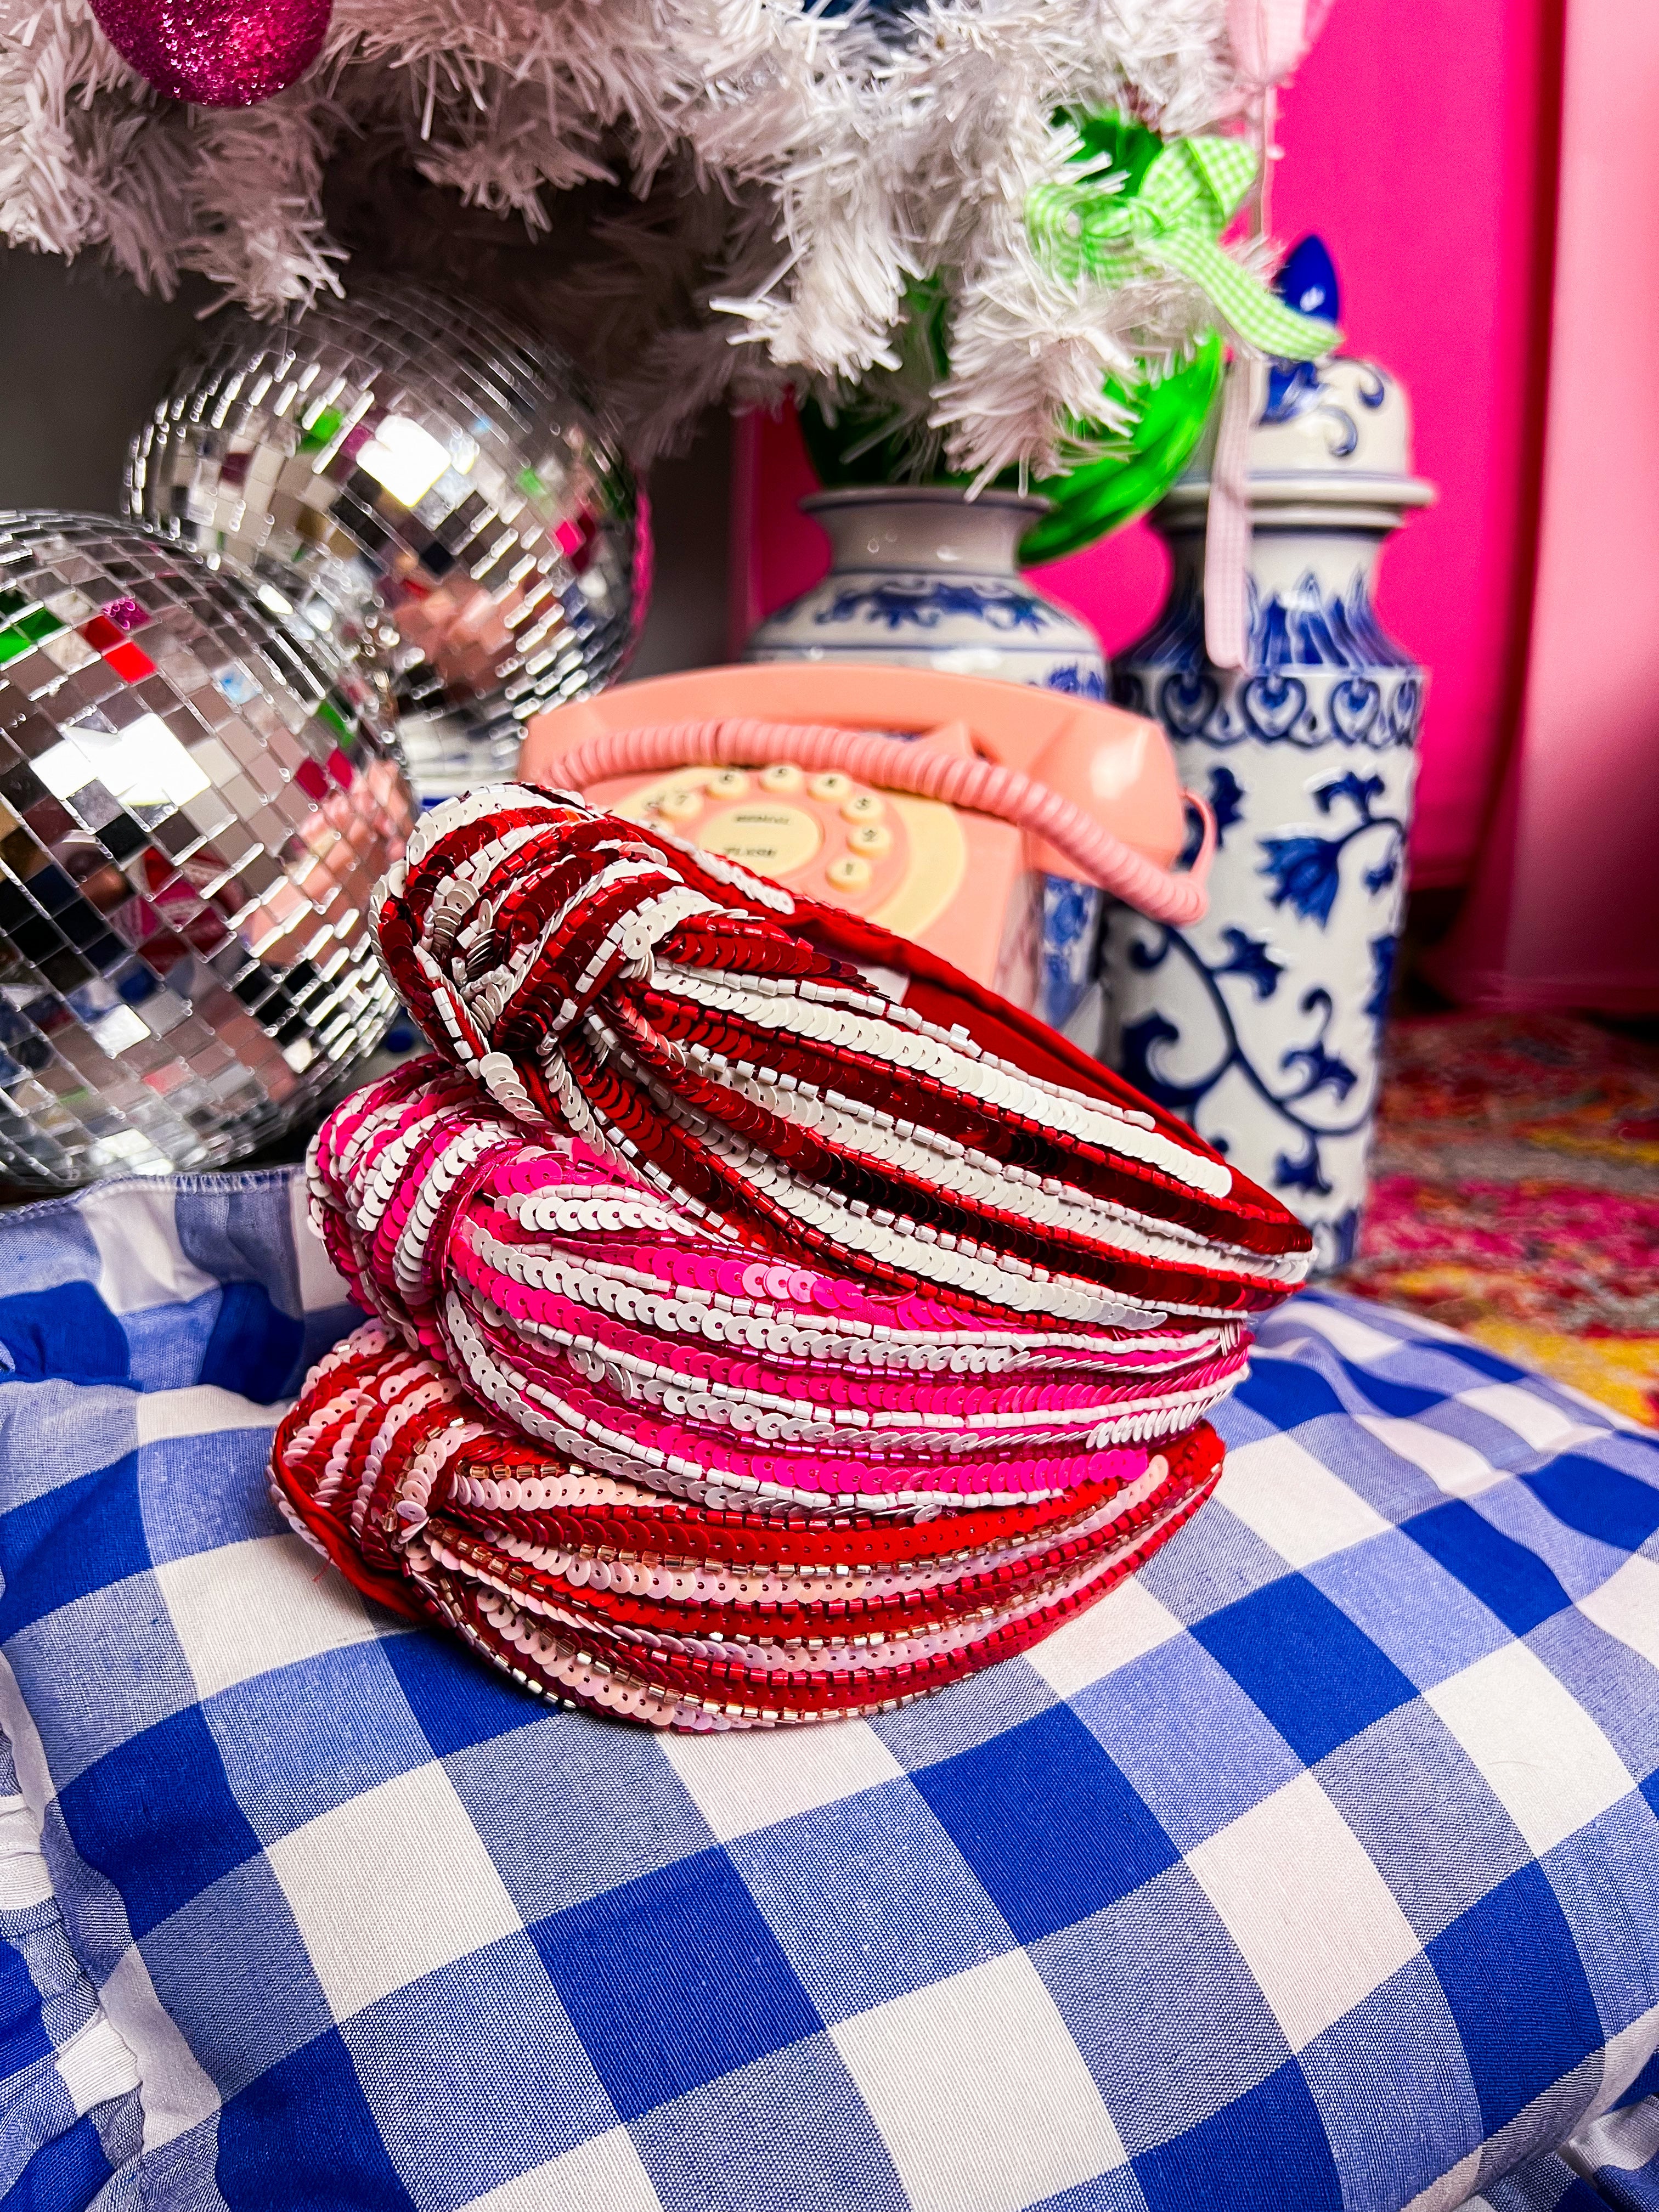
935, 805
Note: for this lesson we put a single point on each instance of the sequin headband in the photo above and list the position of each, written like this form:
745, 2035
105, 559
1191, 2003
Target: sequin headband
727, 1225
723, 1037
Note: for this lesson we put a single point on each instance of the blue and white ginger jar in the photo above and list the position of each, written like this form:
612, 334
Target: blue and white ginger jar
924, 576
1262, 1024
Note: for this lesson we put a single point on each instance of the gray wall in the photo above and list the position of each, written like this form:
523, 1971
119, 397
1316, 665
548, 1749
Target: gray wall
84, 355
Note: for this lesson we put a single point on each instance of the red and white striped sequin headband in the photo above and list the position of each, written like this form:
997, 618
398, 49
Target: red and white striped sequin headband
722, 1037
729, 1224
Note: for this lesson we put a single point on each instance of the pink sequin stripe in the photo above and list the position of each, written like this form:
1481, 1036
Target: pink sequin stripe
796, 1384
625, 1399
564, 1255
932, 1428
377, 1181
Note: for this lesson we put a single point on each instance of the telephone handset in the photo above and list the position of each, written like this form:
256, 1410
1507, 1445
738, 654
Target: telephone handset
935, 805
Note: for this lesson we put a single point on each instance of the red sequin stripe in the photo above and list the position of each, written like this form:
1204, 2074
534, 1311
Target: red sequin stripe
1152, 1279
944, 996
1002, 1134
658, 1524
725, 1687
580, 962
689, 1165
671, 1159
888, 1614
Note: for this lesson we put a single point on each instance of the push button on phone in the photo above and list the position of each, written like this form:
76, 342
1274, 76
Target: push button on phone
870, 838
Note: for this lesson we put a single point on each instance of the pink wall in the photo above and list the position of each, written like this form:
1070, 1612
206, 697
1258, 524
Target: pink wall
1564, 910
1414, 143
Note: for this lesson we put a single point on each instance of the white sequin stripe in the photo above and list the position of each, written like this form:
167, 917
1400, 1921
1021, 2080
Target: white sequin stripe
461, 913
573, 1487
337, 1466
280, 1499
949, 1261
589, 1281
472, 807
687, 1578
773, 1421
600, 1208
442, 1172
866, 1133
323, 1419
716, 1401
390, 1384
460, 894
415, 1486
952, 1059
450, 1091
372, 1166
911, 1142
885, 1647
632, 938
641, 1302
527, 1404
437, 1389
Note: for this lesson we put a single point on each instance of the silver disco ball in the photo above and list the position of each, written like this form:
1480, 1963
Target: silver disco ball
194, 807
425, 483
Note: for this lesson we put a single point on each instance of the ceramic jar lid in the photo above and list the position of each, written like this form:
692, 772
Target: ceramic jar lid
1331, 434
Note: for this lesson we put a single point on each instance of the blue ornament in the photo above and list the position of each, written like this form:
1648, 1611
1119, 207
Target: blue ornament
1307, 281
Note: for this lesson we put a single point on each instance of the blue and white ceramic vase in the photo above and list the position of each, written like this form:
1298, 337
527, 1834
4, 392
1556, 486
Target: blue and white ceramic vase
923, 575
1262, 1024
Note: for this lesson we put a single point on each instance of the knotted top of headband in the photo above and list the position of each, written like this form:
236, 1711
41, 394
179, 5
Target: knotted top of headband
740, 1050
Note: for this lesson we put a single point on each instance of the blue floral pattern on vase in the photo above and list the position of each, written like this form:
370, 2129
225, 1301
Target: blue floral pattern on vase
1083, 681
922, 576
922, 603
1260, 1024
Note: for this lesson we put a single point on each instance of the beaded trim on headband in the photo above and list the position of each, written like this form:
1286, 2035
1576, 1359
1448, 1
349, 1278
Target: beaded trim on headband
704, 1270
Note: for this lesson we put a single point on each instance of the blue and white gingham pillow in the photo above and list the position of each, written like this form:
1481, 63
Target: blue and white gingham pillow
1318, 1866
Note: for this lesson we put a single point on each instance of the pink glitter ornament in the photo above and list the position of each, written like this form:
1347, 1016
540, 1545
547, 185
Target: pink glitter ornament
216, 53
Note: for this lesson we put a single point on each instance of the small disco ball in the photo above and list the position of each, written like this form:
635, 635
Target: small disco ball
425, 483
194, 807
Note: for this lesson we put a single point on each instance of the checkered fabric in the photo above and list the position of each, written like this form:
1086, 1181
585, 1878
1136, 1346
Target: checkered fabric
1318, 1866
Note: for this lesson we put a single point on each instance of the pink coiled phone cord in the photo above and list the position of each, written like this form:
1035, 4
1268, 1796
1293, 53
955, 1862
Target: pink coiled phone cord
894, 764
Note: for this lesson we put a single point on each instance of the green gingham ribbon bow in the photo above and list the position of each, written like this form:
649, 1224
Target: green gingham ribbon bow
1174, 220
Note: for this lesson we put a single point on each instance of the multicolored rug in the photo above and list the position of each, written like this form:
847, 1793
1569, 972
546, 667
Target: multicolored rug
1515, 1195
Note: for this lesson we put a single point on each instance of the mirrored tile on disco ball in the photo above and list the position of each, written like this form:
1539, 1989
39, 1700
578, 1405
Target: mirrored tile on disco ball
191, 822
425, 483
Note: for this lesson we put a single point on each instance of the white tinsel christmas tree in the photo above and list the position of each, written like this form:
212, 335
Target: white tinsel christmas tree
710, 199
